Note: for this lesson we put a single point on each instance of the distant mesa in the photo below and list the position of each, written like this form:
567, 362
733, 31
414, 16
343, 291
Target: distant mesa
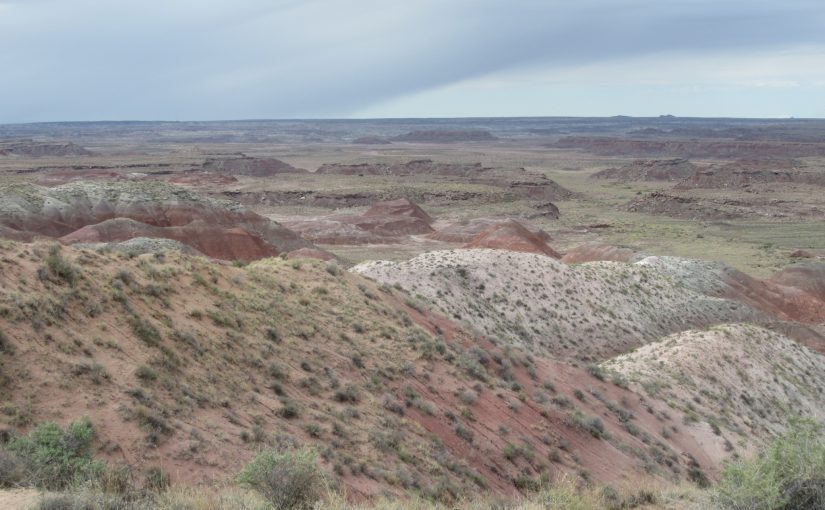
512, 235
371, 140
36, 149
446, 136
414, 167
650, 170
747, 172
56, 177
690, 148
253, 167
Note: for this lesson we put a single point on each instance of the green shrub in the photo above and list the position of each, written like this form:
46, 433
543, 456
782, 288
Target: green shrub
60, 267
789, 474
56, 458
290, 481
145, 331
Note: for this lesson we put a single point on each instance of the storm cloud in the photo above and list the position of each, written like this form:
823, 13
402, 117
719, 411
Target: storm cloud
208, 59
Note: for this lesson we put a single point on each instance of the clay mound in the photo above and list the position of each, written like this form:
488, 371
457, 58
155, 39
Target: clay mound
593, 252
807, 254
226, 243
446, 136
62, 210
384, 223
141, 245
337, 231
808, 277
650, 170
254, 167
513, 236
787, 296
371, 140
587, 311
743, 173
400, 207
742, 379
39, 149
546, 210
464, 231
357, 169
200, 178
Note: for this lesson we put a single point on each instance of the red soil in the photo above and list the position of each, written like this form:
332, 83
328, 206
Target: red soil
514, 236
226, 243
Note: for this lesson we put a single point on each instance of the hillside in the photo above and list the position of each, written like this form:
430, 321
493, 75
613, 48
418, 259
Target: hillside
743, 381
193, 366
589, 311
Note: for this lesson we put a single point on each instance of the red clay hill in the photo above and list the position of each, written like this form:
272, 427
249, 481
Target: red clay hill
512, 235
384, 223
113, 211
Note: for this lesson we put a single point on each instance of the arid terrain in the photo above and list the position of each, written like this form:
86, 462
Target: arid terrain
438, 308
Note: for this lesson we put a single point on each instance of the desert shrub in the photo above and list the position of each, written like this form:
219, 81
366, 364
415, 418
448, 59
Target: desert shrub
156, 479
146, 373
91, 501
788, 474
12, 470
348, 393
333, 268
59, 267
55, 458
145, 331
290, 481
5, 346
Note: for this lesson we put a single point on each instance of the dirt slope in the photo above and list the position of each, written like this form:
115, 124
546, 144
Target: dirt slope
195, 366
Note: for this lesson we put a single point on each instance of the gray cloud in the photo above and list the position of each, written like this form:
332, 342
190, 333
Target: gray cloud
207, 59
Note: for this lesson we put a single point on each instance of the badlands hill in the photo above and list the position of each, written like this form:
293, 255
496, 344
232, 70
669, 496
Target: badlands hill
650, 170
742, 380
589, 311
193, 366
112, 211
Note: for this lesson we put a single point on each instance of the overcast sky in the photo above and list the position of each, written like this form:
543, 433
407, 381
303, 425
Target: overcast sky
233, 59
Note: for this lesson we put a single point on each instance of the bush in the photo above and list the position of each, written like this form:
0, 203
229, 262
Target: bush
290, 481
12, 471
55, 459
788, 474
145, 331
60, 267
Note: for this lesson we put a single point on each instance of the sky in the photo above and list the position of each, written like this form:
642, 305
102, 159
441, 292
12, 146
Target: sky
75, 60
